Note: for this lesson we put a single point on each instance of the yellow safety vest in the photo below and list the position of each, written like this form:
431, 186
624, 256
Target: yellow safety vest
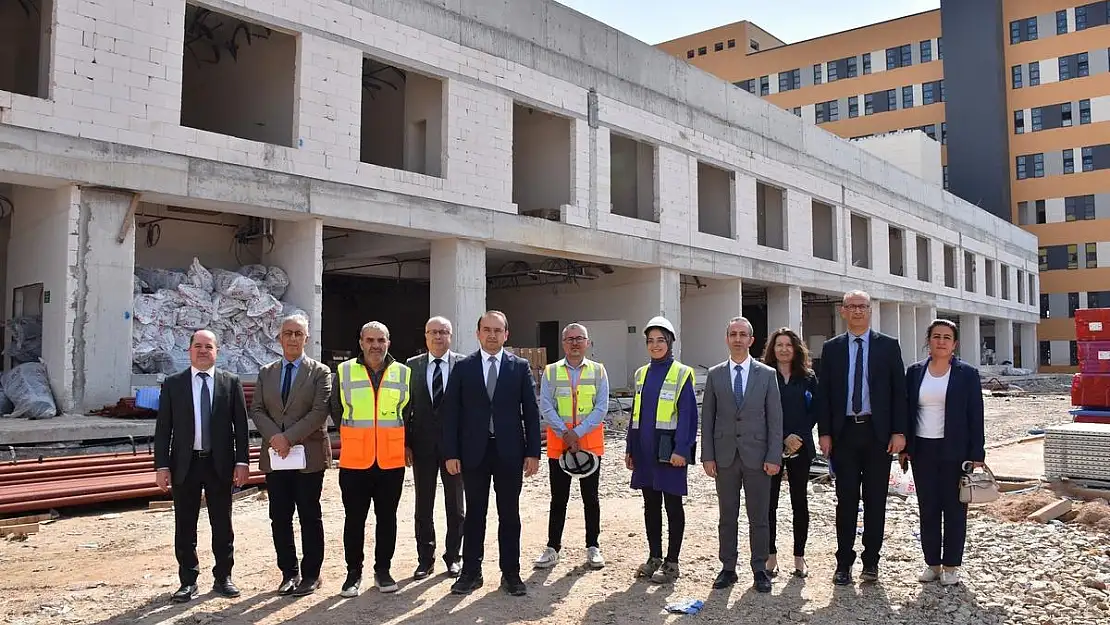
666, 410
574, 400
372, 428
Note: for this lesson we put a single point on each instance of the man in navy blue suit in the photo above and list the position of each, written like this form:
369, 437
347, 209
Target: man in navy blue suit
491, 431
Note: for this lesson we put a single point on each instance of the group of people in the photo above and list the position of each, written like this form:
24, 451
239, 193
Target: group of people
469, 421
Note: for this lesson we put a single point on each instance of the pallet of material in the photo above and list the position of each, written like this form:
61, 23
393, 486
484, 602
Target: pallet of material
1077, 451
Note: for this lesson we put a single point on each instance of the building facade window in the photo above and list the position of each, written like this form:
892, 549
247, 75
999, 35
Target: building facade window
868, 104
944, 133
754, 45
797, 111
702, 51
1065, 68
817, 74
1084, 112
1079, 208
1062, 22
1019, 122
690, 54
1022, 167
900, 56
1092, 255
931, 131
827, 111
790, 80
731, 43
747, 85
853, 69
1015, 76
1034, 73
867, 63
1083, 64
1037, 119
945, 168
907, 97
717, 47
1073, 304
1042, 213
940, 48
926, 51
1081, 18
764, 85
1038, 165
928, 95
891, 99
1046, 353
943, 98
1069, 162
1088, 159
833, 73
1065, 114
1073, 259
853, 106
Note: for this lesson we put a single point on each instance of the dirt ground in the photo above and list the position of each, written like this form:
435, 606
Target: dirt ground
92, 569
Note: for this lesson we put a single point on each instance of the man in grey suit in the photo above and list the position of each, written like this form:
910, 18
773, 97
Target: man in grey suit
741, 437
290, 408
423, 433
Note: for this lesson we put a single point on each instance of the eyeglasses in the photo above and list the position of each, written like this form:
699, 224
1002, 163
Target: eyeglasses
438, 332
856, 307
575, 339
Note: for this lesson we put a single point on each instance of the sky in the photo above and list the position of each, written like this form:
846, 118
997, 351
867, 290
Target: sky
655, 21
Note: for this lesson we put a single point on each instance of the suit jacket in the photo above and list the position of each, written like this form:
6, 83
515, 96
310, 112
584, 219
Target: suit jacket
423, 424
303, 419
963, 411
754, 429
175, 427
886, 379
466, 412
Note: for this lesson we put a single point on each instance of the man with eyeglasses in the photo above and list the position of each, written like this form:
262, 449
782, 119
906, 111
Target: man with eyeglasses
861, 421
424, 452
574, 398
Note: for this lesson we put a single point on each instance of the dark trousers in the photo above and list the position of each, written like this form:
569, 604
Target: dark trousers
560, 497
943, 516
360, 488
654, 501
202, 476
797, 478
861, 463
295, 491
425, 469
507, 478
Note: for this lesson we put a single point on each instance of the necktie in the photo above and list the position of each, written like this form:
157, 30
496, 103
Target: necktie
738, 386
857, 379
491, 386
205, 413
437, 383
286, 382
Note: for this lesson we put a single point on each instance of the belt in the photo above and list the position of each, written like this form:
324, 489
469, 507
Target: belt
201, 454
860, 418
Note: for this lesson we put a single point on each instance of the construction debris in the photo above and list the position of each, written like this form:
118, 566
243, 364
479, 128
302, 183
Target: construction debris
1051, 511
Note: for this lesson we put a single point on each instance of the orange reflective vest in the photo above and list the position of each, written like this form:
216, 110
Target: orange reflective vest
574, 402
372, 429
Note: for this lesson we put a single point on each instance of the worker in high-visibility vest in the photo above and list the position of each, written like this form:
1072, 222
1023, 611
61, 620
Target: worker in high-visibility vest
368, 398
660, 444
574, 398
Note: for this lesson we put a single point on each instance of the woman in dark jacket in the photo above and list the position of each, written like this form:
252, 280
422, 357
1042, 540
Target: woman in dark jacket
944, 439
797, 385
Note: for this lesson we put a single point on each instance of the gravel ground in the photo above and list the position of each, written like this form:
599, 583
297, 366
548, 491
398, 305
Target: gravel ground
120, 568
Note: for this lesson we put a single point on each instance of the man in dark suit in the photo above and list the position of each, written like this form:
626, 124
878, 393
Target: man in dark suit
861, 420
423, 435
290, 410
491, 430
200, 443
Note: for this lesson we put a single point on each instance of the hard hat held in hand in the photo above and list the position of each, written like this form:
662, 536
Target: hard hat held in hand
579, 463
659, 322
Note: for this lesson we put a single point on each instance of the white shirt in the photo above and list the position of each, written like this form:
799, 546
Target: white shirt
444, 368
930, 402
486, 364
745, 371
197, 381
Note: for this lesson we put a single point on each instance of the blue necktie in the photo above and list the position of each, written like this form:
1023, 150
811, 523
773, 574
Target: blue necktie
738, 386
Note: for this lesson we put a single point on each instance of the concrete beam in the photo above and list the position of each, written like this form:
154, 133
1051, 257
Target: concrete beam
458, 287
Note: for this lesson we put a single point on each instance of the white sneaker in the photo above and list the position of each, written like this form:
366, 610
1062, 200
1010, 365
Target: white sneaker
594, 559
929, 575
547, 559
949, 577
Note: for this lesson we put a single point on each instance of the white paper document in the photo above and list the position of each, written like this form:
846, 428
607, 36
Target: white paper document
294, 460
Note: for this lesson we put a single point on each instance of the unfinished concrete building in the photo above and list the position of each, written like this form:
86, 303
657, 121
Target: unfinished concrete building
404, 159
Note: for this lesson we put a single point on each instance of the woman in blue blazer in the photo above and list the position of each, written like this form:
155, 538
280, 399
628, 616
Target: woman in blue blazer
944, 439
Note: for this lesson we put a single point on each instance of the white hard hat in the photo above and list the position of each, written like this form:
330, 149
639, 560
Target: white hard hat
659, 322
579, 463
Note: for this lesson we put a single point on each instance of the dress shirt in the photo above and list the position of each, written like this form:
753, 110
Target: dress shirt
866, 336
444, 368
296, 367
549, 406
496, 365
745, 370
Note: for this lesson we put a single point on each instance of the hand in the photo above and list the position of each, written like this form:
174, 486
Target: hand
904, 457
628, 462
770, 469
975, 464
677, 460
531, 466
280, 444
454, 467
162, 478
710, 467
570, 439
793, 443
408, 457
897, 444
242, 473
826, 445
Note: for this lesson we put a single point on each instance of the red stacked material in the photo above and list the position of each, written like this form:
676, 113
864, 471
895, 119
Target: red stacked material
1092, 324
1094, 356
1091, 390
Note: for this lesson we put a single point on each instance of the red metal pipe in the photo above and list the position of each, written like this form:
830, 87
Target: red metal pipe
89, 499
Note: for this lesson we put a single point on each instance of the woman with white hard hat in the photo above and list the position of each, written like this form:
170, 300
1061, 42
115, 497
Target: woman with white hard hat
660, 445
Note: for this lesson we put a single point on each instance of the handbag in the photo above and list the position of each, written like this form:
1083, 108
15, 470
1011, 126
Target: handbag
978, 487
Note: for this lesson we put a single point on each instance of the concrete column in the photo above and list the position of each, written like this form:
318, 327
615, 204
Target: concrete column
668, 288
907, 338
298, 249
876, 315
458, 287
784, 308
925, 316
744, 213
889, 319
1003, 341
705, 313
799, 222
971, 340
1030, 352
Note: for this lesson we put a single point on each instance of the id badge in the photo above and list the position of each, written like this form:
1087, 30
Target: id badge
562, 391
666, 395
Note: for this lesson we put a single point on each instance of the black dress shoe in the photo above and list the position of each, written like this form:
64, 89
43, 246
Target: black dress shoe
424, 570
226, 588
842, 578
454, 569
762, 582
288, 583
467, 584
307, 587
725, 578
514, 586
870, 573
186, 593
